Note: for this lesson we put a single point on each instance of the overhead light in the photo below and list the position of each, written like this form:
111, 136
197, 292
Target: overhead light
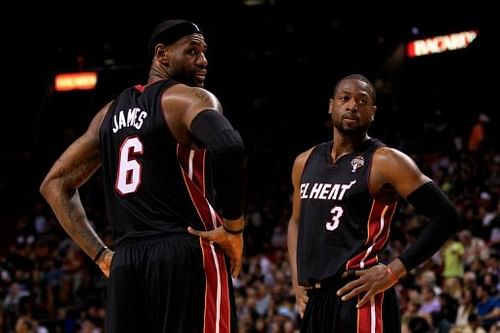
75, 81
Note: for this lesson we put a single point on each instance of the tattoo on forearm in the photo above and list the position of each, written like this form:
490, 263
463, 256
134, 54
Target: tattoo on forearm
78, 171
67, 205
78, 226
71, 215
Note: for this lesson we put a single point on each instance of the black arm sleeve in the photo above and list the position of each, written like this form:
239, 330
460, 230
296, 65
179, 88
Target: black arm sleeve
430, 201
226, 147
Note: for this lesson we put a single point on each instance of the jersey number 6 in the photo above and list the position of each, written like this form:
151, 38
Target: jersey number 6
128, 178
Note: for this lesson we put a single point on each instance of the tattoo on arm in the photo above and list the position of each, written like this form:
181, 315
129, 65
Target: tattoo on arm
202, 95
70, 171
78, 172
77, 225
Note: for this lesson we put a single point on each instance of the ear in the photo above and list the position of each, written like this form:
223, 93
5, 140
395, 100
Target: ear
330, 106
161, 52
373, 113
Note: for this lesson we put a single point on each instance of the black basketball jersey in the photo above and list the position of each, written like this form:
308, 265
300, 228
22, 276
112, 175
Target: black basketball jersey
152, 184
341, 226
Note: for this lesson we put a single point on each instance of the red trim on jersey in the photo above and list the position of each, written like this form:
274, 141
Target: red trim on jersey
216, 290
140, 88
193, 161
370, 315
379, 225
217, 317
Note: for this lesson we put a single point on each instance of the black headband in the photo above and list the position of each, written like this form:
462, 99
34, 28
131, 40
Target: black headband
172, 34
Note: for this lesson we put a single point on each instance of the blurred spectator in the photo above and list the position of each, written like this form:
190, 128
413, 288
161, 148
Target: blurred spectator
453, 270
478, 136
40, 221
410, 312
445, 318
427, 279
474, 247
24, 325
88, 326
488, 306
15, 293
430, 305
465, 308
474, 326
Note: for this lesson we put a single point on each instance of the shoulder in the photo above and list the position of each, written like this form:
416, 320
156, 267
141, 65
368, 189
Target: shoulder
181, 104
181, 92
388, 155
301, 158
393, 167
390, 162
300, 162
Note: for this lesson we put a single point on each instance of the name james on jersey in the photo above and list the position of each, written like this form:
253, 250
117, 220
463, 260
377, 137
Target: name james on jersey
134, 117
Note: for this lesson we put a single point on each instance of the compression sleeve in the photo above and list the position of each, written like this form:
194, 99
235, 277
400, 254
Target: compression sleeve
226, 146
430, 201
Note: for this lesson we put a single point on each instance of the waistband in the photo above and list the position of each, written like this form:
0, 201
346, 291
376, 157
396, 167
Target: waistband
158, 238
333, 281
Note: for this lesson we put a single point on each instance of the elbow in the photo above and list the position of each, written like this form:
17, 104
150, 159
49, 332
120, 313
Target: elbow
44, 188
47, 187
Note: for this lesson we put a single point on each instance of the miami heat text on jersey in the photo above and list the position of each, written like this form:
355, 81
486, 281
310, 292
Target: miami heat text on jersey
324, 191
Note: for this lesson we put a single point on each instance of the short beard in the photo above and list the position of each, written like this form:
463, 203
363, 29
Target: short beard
351, 132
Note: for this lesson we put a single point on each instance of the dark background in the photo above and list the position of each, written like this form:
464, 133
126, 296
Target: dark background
273, 66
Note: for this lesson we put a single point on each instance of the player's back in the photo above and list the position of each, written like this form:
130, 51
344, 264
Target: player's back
144, 168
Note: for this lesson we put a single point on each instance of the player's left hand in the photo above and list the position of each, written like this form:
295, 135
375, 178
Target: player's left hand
369, 282
232, 245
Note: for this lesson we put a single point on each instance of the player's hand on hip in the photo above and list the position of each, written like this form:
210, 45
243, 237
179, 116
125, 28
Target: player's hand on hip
369, 282
231, 244
104, 262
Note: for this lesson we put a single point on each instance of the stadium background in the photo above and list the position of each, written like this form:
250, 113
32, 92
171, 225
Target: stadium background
273, 65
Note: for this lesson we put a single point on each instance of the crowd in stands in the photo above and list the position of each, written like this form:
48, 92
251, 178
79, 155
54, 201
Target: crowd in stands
47, 284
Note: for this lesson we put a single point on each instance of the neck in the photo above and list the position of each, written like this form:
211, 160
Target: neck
157, 73
343, 144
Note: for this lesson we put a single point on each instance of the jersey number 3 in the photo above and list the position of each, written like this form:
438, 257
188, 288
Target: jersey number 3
336, 212
129, 175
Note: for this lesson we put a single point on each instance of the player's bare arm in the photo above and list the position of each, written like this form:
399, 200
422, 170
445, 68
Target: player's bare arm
60, 187
395, 168
293, 228
181, 104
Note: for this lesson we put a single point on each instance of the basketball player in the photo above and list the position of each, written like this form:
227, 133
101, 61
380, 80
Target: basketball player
158, 145
345, 196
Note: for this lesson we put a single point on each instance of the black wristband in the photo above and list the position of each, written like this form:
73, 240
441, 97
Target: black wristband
101, 251
233, 232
